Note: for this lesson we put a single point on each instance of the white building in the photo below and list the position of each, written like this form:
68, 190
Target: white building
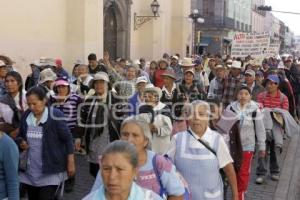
288, 37
272, 26
297, 40
71, 29
258, 17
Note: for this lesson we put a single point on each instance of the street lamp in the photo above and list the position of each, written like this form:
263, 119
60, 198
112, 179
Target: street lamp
155, 7
195, 18
140, 20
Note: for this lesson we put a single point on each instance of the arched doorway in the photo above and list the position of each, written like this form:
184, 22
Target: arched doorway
110, 32
116, 28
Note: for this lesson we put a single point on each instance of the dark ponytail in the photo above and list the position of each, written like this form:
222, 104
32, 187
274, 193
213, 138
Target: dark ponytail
19, 80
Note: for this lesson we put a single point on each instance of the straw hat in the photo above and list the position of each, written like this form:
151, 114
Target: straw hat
187, 62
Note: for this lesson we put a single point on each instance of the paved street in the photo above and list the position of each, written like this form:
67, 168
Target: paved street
256, 192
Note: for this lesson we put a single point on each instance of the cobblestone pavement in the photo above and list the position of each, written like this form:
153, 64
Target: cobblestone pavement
84, 181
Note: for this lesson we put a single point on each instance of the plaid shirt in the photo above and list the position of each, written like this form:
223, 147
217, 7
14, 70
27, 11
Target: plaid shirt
231, 87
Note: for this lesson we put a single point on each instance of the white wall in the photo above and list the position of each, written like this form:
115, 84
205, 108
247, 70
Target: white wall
169, 33
67, 29
257, 22
181, 27
71, 29
31, 29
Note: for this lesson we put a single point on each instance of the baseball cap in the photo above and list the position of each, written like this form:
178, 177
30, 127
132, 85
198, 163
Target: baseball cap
250, 72
141, 79
61, 82
273, 78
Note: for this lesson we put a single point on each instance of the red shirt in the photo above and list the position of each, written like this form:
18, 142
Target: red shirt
279, 101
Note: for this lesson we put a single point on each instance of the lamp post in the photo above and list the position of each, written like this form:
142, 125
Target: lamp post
195, 18
140, 20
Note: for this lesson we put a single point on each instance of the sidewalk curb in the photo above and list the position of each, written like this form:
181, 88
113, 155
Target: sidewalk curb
287, 184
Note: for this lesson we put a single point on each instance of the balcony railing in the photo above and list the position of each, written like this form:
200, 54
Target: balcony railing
218, 23
226, 23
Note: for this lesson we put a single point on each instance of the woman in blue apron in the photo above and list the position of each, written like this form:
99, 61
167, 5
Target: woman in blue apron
47, 147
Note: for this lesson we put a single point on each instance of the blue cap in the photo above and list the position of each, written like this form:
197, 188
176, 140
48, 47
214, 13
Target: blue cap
198, 61
259, 73
274, 78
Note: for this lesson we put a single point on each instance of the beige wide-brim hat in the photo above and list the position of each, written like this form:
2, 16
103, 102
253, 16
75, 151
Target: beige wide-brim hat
99, 76
187, 62
47, 75
152, 89
169, 73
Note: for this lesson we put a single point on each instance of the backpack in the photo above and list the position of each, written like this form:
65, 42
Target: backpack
162, 192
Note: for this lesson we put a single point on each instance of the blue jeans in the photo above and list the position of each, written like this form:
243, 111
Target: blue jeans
261, 169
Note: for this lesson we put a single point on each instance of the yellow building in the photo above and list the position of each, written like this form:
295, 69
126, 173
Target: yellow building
71, 29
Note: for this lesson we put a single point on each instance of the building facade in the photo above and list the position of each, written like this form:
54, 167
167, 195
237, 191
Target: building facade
71, 29
272, 26
223, 18
258, 17
289, 41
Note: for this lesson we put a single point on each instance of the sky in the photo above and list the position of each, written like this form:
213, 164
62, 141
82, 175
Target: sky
292, 21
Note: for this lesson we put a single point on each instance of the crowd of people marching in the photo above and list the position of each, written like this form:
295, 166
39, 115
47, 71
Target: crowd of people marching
176, 128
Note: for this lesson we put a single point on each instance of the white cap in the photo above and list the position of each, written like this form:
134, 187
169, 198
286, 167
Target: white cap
175, 57
136, 62
101, 76
236, 64
141, 79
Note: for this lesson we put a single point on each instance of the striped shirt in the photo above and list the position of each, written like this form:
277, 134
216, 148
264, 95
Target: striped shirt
69, 107
278, 101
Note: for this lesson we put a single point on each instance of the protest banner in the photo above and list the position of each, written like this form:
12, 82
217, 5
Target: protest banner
273, 50
254, 44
